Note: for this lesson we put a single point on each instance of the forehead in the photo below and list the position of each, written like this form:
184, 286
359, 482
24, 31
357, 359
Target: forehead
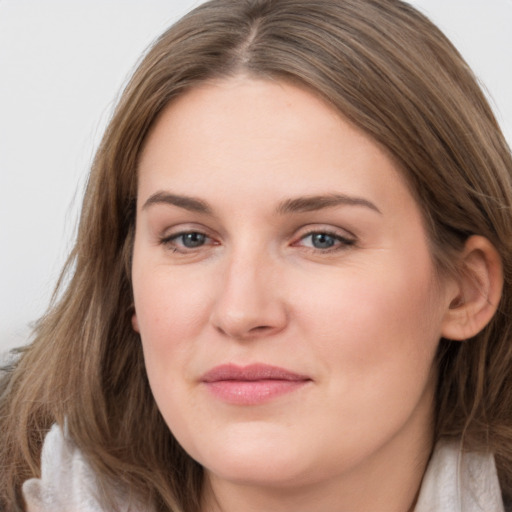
259, 137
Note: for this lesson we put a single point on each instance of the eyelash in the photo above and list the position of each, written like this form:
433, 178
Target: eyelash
340, 242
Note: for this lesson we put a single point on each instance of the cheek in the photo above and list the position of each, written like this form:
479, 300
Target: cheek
171, 313
169, 309
375, 338
375, 323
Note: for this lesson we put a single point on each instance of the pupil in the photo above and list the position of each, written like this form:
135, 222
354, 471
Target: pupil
193, 239
322, 241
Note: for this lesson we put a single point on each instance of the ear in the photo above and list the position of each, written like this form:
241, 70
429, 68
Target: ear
478, 293
135, 323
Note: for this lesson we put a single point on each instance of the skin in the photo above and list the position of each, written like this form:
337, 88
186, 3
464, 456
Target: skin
361, 319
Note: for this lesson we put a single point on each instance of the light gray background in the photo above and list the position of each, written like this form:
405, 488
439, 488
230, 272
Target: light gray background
62, 64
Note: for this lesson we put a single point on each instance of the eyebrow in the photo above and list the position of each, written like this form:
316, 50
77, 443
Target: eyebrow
296, 205
192, 204
312, 203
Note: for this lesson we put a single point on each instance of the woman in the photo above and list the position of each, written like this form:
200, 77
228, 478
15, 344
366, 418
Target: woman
291, 282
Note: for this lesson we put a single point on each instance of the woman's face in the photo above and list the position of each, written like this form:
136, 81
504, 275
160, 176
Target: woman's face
284, 292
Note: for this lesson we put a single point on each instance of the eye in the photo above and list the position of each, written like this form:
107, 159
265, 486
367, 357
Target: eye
188, 240
322, 240
191, 240
325, 241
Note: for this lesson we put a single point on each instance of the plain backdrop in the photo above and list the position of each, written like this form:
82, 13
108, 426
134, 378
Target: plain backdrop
62, 65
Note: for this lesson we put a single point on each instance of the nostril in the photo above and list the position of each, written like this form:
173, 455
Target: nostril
260, 328
242, 333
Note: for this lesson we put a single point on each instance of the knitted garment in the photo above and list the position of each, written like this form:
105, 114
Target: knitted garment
459, 482
67, 481
454, 481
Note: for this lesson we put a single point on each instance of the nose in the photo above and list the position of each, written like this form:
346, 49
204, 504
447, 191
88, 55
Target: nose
249, 302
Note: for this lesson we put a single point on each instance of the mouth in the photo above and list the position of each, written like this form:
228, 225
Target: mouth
251, 385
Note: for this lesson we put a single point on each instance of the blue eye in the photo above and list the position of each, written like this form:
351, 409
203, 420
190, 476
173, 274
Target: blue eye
188, 240
322, 240
325, 241
192, 240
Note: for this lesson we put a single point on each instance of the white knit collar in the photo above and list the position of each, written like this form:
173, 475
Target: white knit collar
456, 481
68, 482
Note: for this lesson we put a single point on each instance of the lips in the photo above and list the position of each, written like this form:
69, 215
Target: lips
253, 384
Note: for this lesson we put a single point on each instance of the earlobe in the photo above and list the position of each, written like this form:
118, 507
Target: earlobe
479, 290
135, 323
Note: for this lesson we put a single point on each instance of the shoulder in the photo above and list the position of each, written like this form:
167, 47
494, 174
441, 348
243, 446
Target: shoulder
459, 481
67, 481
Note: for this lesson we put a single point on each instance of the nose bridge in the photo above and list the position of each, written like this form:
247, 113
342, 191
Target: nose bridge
248, 301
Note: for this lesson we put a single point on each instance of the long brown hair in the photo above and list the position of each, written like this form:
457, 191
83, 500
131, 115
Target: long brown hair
388, 70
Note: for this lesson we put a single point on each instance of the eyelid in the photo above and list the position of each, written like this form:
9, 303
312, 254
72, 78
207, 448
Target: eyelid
327, 229
180, 228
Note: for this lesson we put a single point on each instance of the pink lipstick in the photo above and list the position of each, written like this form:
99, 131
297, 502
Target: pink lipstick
251, 385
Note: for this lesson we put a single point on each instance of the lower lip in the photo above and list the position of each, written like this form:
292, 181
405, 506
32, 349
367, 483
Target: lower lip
254, 392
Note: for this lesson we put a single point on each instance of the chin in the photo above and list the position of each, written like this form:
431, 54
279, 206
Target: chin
265, 471
255, 457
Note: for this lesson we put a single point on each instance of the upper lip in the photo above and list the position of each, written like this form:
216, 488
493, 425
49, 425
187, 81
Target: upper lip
252, 372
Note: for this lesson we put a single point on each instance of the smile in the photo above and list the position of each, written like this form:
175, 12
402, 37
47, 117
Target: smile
251, 385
